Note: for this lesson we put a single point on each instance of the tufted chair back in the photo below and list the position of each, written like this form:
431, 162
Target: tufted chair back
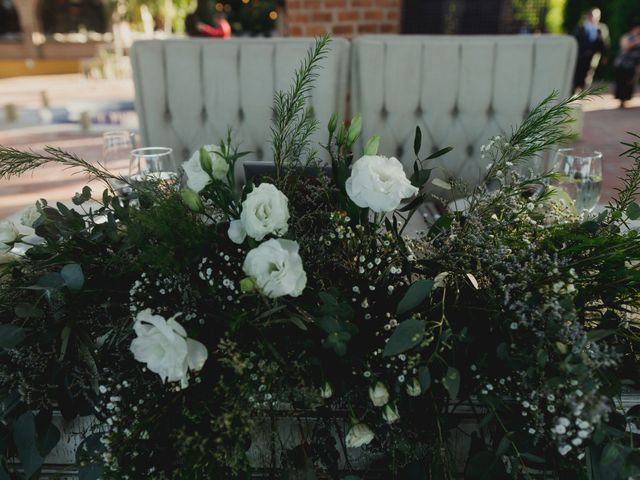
460, 90
190, 91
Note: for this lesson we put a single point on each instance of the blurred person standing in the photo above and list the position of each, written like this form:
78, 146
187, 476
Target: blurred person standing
204, 23
627, 62
593, 42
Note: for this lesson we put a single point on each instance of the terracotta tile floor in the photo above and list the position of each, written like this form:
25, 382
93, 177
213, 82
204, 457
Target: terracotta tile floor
604, 127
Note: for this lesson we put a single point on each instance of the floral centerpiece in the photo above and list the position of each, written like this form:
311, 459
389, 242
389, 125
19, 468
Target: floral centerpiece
295, 327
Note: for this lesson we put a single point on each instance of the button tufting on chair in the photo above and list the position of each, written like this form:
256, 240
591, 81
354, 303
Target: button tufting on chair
189, 92
259, 153
468, 89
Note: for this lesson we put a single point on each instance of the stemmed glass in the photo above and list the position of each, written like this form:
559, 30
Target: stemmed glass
580, 175
116, 152
152, 162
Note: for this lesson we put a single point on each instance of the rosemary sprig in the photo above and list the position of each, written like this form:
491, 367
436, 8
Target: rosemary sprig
14, 162
294, 123
631, 178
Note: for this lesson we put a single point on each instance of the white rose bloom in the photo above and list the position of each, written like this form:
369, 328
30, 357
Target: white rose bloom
8, 235
197, 178
378, 183
379, 394
359, 435
277, 268
390, 414
265, 211
163, 345
29, 216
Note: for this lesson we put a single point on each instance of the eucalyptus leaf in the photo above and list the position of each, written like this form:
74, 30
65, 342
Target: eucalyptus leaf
633, 211
48, 440
416, 294
24, 437
73, 276
11, 335
424, 377
451, 381
406, 335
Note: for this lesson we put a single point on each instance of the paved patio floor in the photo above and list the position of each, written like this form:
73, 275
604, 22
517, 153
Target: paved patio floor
72, 99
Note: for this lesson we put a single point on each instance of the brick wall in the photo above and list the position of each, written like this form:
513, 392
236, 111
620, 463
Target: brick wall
342, 18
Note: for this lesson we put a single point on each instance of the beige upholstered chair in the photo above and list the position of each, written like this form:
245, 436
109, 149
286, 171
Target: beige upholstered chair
459, 90
189, 91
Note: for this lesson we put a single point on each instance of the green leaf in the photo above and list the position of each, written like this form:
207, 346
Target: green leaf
633, 211
73, 276
92, 471
439, 153
26, 310
80, 198
371, 148
420, 177
612, 453
424, 377
24, 436
11, 335
50, 281
451, 382
417, 141
406, 335
596, 335
485, 466
415, 296
532, 458
48, 440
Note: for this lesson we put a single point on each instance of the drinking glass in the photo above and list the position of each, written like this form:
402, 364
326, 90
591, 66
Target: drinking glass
580, 175
116, 152
152, 162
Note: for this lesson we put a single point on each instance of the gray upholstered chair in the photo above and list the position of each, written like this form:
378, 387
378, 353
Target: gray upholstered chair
189, 91
460, 90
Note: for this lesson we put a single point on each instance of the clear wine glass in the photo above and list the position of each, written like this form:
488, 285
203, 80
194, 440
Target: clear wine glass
116, 152
152, 162
580, 175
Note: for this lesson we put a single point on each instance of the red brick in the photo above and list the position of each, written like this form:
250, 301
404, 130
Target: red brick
389, 28
348, 15
335, 3
393, 15
313, 30
293, 4
345, 30
362, 3
368, 28
295, 31
374, 15
322, 17
298, 18
312, 4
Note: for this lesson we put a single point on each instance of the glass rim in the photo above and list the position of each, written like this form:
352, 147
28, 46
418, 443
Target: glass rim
110, 133
579, 153
161, 151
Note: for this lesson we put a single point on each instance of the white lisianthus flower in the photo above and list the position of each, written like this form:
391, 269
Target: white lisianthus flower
359, 435
413, 388
265, 211
277, 268
390, 414
379, 394
378, 183
236, 231
164, 347
197, 177
8, 235
29, 216
326, 391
